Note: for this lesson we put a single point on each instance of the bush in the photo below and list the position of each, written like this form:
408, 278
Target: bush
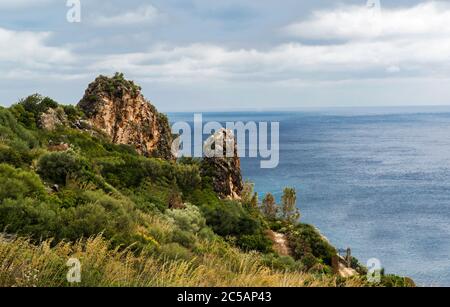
309, 261
83, 221
12, 133
93, 212
73, 113
282, 263
132, 171
18, 184
229, 218
15, 157
59, 166
257, 242
27, 216
87, 145
184, 238
306, 242
99, 213
28, 110
189, 219
158, 227
396, 281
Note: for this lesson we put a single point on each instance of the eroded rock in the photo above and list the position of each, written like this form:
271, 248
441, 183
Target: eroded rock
53, 118
116, 107
222, 165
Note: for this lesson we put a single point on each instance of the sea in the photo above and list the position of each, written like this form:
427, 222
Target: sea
376, 180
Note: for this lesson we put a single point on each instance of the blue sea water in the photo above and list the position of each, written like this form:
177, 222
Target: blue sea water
378, 182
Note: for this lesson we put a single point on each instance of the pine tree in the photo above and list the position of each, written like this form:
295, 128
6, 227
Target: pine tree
248, 192
269, 206
289, 209
254, 201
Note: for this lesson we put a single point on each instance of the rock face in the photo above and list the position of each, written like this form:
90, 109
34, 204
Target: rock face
53, 118
116, 107
223, 169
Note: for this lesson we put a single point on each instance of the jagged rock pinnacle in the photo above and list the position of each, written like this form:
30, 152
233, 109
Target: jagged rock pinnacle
117, 107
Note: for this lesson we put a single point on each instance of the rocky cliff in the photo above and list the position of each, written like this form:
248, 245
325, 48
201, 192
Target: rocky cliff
224, 170
53, 118
117, 107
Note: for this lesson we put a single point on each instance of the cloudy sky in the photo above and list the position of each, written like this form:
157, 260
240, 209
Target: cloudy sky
232, 54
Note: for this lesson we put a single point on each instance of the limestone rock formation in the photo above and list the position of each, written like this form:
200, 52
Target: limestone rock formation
52, 118
222, 165
116, 107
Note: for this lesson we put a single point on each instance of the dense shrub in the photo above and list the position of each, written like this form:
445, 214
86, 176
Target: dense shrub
307, 243
28, 216
189, 219
228, 218
131, 171
309, 261
100, 213
10, 156
73, 113
94, 213
282, 263
59, 166
87, 145
14, 134
184, 238
119, 209
257, 242
396, 281
28, 110
17, 184
149, 197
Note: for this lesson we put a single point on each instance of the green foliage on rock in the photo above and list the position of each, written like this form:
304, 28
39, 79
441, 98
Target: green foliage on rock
28, 110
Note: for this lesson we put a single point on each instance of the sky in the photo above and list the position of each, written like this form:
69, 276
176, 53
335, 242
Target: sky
231, 54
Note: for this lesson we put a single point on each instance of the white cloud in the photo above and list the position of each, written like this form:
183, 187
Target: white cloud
393, 69
30, 49
19, 4
293, 60
416, 48
26, 55
358, 22
143, 15
412, 42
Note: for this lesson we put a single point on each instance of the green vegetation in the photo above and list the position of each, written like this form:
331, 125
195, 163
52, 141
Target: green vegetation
289, 209
137, 221
113, 87
269, 207
28, 110
217, 264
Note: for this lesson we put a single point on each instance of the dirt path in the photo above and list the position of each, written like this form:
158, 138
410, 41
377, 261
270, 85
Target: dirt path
280, 244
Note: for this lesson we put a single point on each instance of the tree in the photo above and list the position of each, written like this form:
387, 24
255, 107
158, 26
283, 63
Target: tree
289, 209
269, 207
254, 201
28, 110
248, 192
60, 166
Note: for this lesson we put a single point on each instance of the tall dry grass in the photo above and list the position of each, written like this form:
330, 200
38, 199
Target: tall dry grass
23, 264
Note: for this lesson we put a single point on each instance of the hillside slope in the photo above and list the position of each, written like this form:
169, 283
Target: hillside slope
72, 187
